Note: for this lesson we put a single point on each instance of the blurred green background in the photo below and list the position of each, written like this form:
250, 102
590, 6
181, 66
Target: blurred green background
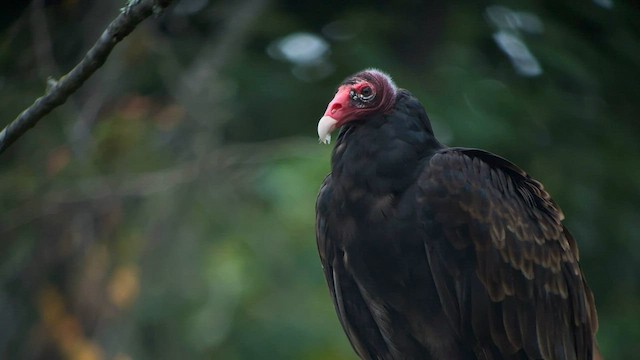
166, 211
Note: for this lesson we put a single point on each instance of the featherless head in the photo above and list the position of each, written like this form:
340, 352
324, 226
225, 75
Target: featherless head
362, 94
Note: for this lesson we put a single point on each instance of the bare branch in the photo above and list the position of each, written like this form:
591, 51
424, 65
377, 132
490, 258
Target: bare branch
57, 94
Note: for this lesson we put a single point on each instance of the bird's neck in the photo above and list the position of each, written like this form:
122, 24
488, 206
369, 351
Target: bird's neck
385, 153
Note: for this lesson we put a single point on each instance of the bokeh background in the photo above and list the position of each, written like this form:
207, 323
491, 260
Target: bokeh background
166, 211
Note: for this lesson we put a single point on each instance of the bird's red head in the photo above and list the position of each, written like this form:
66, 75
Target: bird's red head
367, 92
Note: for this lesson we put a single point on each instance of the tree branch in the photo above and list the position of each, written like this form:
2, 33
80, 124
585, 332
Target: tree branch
60, 90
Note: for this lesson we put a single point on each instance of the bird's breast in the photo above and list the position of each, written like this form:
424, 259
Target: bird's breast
378, 231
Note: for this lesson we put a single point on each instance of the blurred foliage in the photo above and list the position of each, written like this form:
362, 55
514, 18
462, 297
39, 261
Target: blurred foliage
167, 210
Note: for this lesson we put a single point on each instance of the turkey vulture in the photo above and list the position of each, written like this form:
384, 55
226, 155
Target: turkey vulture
436, 252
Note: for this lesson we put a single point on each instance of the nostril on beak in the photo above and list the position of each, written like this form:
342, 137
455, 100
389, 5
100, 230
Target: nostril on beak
335, 107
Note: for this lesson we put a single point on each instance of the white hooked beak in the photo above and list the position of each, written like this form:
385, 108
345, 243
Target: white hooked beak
326, 125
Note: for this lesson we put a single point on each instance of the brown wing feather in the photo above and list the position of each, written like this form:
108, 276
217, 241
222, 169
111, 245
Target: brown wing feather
505, 267
350, 305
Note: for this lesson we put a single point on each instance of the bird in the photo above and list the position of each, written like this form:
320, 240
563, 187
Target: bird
437, 252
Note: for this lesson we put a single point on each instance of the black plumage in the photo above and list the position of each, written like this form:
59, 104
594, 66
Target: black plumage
432, 252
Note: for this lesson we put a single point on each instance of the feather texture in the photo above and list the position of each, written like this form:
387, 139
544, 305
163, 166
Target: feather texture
432, 252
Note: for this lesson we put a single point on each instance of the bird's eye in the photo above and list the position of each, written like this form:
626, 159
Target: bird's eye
366, 93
